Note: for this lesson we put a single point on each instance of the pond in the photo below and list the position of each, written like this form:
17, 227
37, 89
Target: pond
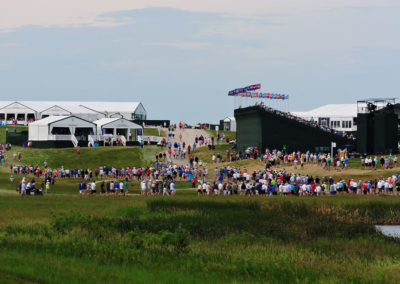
389, 230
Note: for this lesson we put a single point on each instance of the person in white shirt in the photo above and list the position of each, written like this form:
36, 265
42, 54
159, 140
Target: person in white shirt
143, 187
318, 190
172, 188
23, 187
220, 188
93, 187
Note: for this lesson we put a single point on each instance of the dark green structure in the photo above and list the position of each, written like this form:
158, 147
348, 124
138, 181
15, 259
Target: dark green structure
377, 131
259, 128
17, 138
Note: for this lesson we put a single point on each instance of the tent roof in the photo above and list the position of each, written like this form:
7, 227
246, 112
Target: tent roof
48, 120
55, 118
331, 110
104, 121
78, 107
229, 118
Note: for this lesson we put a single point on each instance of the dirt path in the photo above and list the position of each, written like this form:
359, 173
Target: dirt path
188, 136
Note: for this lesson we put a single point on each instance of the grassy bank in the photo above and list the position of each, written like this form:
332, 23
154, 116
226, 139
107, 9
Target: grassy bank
89, 158
154, 132
69, 239
230, 134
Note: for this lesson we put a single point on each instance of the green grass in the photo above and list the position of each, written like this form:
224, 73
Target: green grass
205, 155
230, 134
63, 237
87, 239
89, 158
154, 132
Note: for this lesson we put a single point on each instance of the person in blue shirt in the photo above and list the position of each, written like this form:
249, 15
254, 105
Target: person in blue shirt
80, 187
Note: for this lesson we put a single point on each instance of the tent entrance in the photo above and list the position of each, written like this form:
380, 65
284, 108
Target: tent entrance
60, 131
122, 131
82, 133
108, 131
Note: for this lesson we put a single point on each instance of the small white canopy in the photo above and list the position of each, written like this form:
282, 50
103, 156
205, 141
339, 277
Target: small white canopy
230, 123
229, 119
115, 123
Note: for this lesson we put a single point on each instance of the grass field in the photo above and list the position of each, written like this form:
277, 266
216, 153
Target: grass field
154, 132
89, 158
65, 238
230, 134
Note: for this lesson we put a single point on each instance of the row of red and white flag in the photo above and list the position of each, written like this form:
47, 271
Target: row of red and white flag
249, 92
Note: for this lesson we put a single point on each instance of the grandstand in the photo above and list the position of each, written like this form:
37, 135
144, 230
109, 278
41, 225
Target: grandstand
262, 127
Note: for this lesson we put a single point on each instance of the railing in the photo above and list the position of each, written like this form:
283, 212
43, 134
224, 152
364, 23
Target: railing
71, 138
91, 140
60, 137
74, 141
106, 139
152, 138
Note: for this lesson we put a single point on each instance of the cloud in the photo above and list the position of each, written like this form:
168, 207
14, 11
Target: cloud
181, 44
14, 14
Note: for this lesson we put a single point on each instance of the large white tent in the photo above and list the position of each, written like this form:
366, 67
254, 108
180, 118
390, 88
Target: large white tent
60, 129
341, 117
27, 111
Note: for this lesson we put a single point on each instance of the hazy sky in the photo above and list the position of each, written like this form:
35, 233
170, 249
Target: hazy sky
180, 58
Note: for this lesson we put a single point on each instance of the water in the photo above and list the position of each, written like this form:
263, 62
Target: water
389, 230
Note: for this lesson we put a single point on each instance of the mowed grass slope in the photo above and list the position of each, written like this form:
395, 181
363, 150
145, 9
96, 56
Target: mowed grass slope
102, 239
230, 134
89, 158
153, 131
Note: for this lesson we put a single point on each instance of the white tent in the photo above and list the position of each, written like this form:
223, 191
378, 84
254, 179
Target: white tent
229, 123
116, 127
61, 128
28, 111
341, 117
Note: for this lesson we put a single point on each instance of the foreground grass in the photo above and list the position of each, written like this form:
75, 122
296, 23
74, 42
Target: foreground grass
70, 239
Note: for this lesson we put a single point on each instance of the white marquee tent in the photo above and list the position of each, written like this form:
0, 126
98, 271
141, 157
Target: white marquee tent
28, 111
61, 128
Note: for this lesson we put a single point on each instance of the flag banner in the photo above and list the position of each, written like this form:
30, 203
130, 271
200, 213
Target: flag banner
245, 89
260, 95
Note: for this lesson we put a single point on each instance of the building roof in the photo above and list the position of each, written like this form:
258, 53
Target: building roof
330, 110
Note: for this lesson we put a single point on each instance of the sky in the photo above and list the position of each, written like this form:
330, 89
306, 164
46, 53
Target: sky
180, 58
